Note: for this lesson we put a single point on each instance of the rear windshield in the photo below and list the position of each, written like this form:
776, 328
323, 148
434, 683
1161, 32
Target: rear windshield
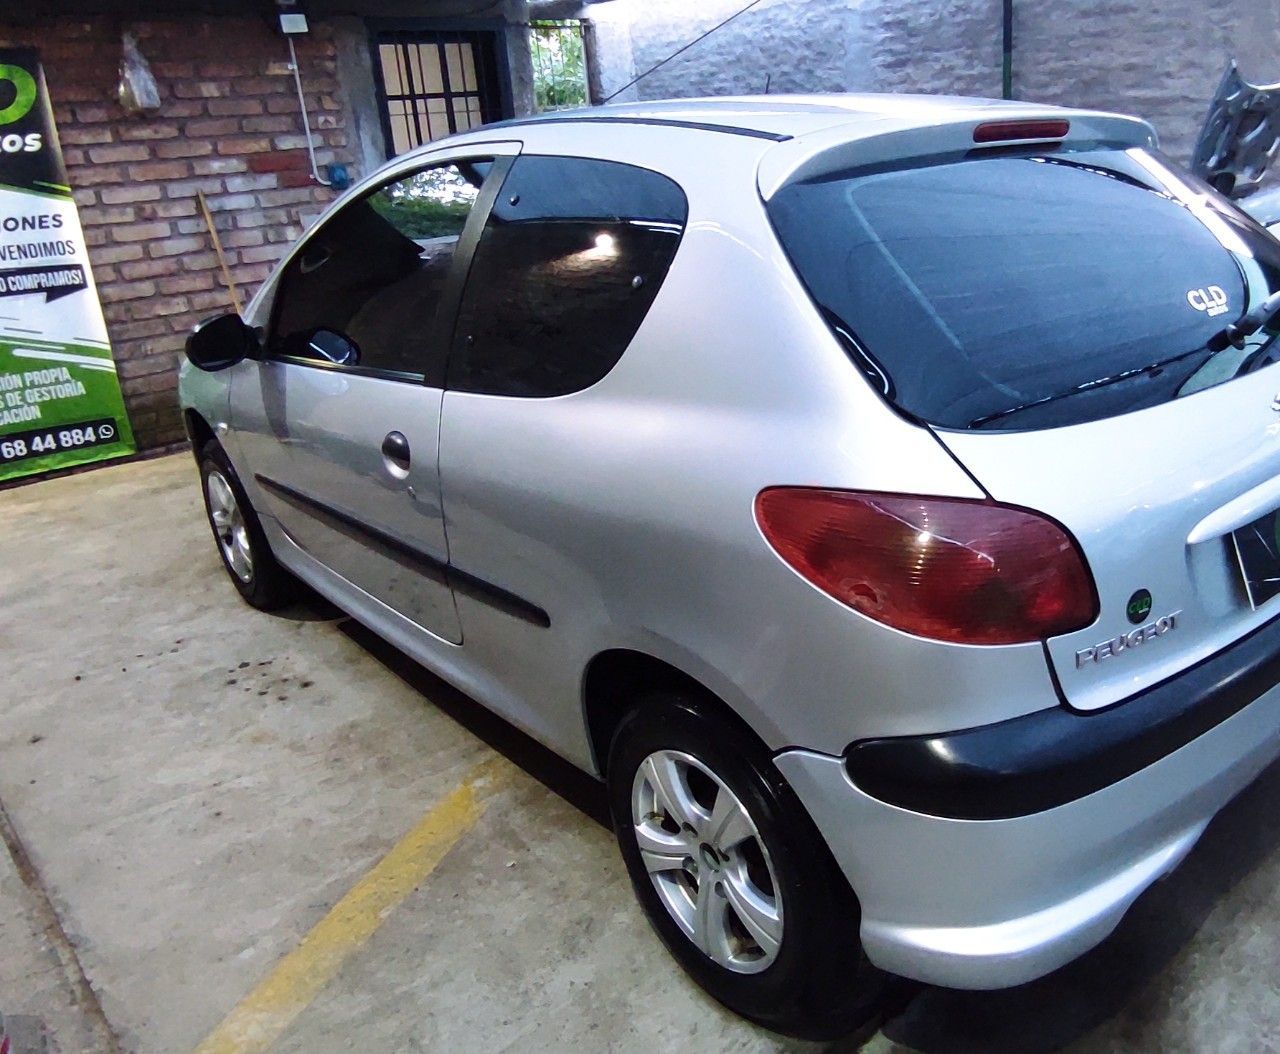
1030, 290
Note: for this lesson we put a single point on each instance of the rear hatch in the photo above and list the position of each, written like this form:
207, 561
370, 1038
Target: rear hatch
1046, 310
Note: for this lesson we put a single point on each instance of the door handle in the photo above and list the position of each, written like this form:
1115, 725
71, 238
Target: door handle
395, 451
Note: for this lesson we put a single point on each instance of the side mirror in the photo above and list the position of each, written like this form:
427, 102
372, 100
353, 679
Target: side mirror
217, 343
333, 347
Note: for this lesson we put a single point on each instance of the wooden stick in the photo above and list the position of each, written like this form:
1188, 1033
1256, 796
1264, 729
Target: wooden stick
217, 247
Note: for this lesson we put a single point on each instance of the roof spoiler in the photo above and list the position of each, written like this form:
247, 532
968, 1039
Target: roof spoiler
900, 138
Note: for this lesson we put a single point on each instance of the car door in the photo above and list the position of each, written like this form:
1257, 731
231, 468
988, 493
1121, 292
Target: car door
572, 257
340, 421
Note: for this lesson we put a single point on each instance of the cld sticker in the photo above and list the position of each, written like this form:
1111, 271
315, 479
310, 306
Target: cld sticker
1127, 641
1139, 606
1212, 300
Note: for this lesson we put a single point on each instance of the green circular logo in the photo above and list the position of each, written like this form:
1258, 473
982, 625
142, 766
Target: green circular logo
24, 97
1139, 606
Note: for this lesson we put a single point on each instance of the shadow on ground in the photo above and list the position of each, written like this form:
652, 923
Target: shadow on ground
1047, 1015
310, 607
580, 790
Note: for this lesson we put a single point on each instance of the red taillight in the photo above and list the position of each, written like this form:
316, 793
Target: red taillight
1009, 131
969, 572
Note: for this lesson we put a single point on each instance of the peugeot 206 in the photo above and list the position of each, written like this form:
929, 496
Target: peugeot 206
878, 493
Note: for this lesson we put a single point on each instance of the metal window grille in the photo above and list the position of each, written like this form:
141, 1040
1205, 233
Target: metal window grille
435, 83
558, 50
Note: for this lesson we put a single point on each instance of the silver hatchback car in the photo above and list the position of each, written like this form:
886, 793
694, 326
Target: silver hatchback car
879, 493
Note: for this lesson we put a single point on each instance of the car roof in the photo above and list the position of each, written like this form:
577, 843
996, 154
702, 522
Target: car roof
787, 116
810, 135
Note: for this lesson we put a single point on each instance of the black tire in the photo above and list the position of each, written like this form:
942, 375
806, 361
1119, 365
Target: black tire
819, 985
268, 586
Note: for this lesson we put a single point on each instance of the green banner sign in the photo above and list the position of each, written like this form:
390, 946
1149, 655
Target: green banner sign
60, 402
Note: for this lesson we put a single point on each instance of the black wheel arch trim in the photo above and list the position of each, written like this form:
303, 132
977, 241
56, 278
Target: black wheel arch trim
1051, 757
198, 430
408, 556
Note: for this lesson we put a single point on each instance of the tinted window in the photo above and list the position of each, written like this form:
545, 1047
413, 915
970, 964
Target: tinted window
1029, 290
372, 277
570, 260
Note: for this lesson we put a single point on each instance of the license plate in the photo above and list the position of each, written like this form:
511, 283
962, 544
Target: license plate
1258, 548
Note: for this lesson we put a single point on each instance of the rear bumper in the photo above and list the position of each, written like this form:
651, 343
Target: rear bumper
990, 903
1051, 757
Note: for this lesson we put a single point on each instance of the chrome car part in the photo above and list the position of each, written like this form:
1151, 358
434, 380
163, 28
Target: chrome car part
707, 861
229, 525
1240, 135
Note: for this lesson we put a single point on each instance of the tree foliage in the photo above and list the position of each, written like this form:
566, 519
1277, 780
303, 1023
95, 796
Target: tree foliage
559, 64
429, 204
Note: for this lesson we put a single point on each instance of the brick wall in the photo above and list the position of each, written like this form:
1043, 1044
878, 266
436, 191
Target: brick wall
229, 126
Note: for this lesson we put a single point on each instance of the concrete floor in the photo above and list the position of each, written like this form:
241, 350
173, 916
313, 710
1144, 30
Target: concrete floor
189, 786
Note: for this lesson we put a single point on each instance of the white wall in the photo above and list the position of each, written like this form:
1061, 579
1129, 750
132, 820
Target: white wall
1160, 60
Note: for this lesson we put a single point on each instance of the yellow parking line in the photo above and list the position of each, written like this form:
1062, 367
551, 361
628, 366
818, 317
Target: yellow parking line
259, 1019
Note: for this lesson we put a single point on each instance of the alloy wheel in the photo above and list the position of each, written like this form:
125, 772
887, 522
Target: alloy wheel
707, 861
229, 526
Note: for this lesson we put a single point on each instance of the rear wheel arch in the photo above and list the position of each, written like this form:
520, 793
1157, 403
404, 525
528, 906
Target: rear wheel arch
617, 679
818, 984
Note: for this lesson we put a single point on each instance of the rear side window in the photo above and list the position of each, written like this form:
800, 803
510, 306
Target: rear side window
568, 265
1029, 290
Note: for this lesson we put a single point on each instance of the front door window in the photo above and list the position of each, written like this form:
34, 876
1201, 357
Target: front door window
365, 291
